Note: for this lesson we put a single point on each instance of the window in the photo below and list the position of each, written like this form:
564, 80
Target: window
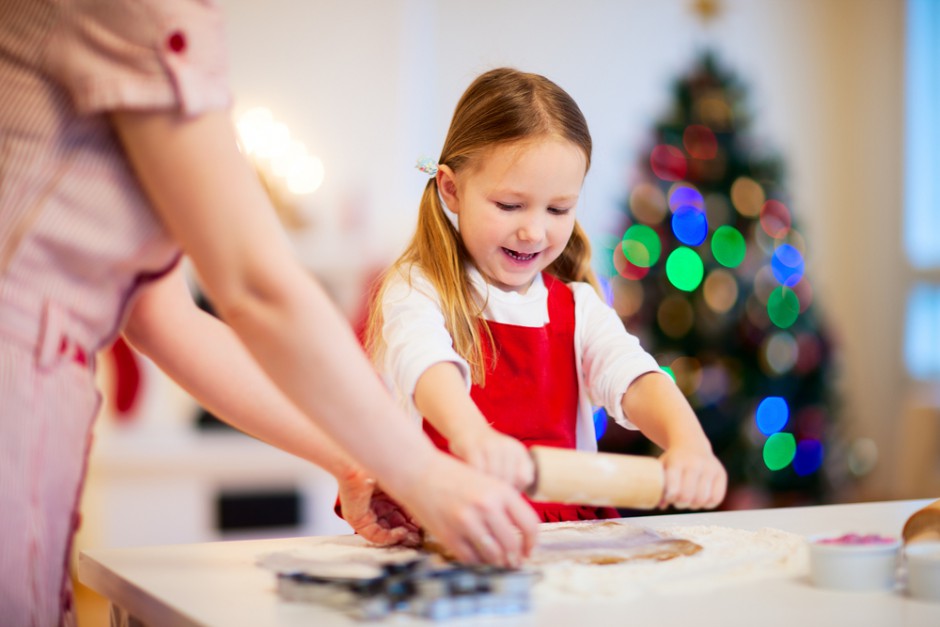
922, 188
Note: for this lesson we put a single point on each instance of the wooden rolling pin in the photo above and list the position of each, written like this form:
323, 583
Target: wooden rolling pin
923, 525
599, 479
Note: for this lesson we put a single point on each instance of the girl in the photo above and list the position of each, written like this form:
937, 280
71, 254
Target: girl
117, 156
490, 325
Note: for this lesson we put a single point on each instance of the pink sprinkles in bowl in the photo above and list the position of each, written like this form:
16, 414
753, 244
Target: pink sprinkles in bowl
857, 539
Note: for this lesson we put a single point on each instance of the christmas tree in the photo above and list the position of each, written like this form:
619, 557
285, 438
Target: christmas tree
710, 273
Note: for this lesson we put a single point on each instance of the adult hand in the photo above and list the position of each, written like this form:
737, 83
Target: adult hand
478, 518
496, 454
695, 478
373, 514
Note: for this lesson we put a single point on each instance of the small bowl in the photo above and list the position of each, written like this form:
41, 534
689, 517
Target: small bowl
852, 561
923, 570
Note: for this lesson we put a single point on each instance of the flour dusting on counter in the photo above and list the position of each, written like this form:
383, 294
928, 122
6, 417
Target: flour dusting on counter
597, 560
351, 551
727, 556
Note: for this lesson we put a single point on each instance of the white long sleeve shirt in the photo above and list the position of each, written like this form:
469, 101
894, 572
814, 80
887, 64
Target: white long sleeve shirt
609, 359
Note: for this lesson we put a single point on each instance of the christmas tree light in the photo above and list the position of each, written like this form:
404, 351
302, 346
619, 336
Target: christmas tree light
710, 272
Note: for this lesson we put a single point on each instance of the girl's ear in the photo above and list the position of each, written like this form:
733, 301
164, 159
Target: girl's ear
447, 186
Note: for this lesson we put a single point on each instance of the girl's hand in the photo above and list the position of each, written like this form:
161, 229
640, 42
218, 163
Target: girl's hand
496, 454
373, 514
695, 479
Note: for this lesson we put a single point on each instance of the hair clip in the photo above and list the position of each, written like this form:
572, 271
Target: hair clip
427, 165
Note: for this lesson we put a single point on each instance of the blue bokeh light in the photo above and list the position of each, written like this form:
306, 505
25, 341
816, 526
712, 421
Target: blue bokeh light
772, 415
683, 196
600, 422
787, 265
808, 458
690, 225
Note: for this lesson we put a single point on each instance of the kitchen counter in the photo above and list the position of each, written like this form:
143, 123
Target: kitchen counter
219, 584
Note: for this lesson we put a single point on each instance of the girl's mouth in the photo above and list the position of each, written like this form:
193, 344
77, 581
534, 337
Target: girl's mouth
519, 256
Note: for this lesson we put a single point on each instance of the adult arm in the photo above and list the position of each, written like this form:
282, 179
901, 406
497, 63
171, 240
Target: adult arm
211, 202
207, 359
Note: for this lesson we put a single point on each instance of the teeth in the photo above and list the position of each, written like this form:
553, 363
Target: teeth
519, 256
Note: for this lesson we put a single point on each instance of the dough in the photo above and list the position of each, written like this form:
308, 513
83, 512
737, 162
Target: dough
606, 542
639, 561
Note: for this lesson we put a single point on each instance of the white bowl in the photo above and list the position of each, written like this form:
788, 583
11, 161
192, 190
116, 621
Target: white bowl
846, 565
923, 570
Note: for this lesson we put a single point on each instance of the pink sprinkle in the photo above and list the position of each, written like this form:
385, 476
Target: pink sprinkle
859, 539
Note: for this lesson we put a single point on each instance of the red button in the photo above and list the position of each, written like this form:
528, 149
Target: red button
176, 42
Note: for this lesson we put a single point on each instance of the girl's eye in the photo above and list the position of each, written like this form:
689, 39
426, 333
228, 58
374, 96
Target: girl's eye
558, 211
506, 207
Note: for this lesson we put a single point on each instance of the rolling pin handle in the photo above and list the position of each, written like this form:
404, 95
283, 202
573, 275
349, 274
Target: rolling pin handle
598, 479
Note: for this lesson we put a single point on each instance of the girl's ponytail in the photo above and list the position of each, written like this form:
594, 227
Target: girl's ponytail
437, 250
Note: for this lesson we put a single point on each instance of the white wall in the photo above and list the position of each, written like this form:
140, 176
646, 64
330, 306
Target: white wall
371, 85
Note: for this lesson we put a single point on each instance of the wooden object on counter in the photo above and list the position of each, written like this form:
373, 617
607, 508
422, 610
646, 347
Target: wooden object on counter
600, 479
923, 525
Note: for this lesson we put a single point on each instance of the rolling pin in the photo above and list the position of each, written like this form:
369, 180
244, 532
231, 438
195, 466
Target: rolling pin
923, 525
599, 479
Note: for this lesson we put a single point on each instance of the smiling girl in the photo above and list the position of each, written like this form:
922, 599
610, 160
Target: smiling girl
490, 325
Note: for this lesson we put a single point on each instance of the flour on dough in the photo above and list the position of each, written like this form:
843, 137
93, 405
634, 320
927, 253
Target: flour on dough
727, 556
604, 543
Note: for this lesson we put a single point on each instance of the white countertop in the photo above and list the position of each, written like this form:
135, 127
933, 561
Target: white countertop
218, 584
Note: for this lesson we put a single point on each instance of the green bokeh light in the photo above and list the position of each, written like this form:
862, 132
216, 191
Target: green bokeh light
641, 246
685, 269
783, 307
779, 450
728, 246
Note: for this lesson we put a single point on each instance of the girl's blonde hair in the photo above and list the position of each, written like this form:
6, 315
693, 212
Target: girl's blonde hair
502, 106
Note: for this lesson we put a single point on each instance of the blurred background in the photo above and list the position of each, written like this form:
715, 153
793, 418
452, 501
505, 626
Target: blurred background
762, 203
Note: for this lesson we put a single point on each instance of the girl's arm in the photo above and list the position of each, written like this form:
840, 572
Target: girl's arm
213, 205
441, 397
694, 476
205, 356
651, 402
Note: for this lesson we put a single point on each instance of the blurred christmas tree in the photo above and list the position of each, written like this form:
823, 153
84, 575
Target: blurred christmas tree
710, 275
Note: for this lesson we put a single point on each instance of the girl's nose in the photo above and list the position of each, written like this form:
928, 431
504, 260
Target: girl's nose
531, 230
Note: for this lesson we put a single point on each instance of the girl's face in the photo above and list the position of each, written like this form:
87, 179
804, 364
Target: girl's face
516, 207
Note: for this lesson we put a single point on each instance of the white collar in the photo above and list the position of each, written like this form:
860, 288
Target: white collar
511, 307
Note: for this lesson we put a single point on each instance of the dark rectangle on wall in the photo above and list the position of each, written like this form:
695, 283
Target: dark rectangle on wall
241, 510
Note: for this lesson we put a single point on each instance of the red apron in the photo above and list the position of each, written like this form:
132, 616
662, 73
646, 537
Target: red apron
531, 393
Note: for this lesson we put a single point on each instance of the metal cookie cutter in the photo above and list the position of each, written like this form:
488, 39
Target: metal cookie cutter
425, 586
